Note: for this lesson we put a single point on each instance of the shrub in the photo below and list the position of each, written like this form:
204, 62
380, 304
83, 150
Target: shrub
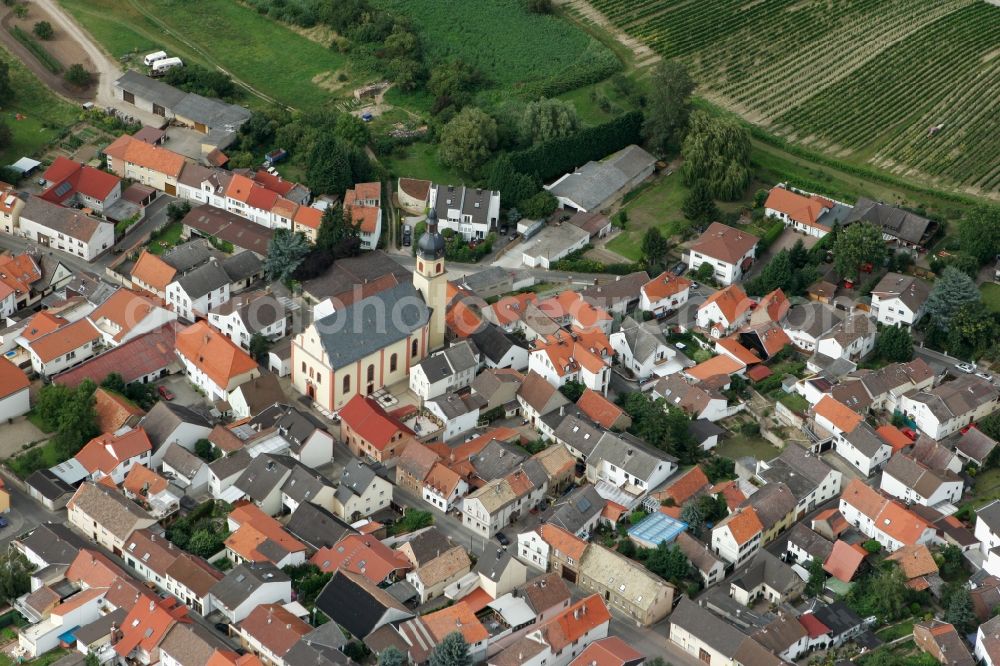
43, 30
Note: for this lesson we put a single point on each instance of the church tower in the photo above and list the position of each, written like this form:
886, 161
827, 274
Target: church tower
429, 278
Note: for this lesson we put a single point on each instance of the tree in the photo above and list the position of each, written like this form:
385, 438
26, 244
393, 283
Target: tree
691, 514
698, 205
91, 660
979, 233
776, 274
452, 84
817, 578
259, 346
468, 140
6, 90
43, 30
895, 344
960, 612
858, 244
77, 422
717, 150
572, 390
177, 210
78, 76
669, 563
668, 107
285, 252
203, 81
337, 234
328, 168
352, 129
452, 651
705, 272
548, 119
391, 656
539, 206
205, 543
500, 175
205, 450
654, 249
951, 291
15, 575
972, 330
719, 469
713, 507
951, 562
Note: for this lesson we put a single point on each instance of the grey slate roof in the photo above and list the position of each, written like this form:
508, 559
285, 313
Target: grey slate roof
89, 633
493, 563
893, 221
812, 318
595, 182
150, 89
68, 221
48, 485
317, 527
976, 445
206, 278
864, 439
767, 569
303, 484
492, 341
227, 466
261, 392
644, 339
816, 545
350, 272
624, 288
242, 266
318, 648
454, 405
464, 199
264, 474
372, 323
189, 255
429, 544
55, 543
496, 460
697, 553
576, 509
633, 456
243, 579
911, 290
354, 480
705, 625
294, 425
451, 361
579, 432
165, 417
182, 460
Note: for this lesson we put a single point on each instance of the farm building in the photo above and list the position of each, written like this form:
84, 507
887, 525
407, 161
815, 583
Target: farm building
596, 184
217, 120
552, 244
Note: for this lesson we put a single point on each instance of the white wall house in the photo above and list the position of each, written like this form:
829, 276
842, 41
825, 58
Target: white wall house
908, 480
65, 229
738, 537
898, 300
642, 349
472, 213
730, 252
445, 371
853, 338
724, 311
533, 550
14, 397
884, 520
664, 293
233, 326
947, 408
195, 293
65, 347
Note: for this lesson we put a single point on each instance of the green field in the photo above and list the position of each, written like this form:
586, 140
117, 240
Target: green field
262, 53
44, 116
420, 160
820, 79
991, 295
514, 49
657, 205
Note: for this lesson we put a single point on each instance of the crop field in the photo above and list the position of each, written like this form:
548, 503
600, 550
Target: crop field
264, 54
544, 55
862, 80
35, 115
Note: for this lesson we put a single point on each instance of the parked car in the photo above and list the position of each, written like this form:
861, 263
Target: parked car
695, 286
407, 235
680, 268
165, 393
965, 367
502, 538
910, 434
985, 375
3, 522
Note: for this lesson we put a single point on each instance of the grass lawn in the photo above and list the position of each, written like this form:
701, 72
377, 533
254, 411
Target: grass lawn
656, 205
255, 49
895, 631
738, 446
166, 239
37, 421
44, 115
987, 487
43, 660
991, 295
794, 402
24, 464
420, 160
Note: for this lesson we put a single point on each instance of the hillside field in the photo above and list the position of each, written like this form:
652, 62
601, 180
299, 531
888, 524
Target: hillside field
860, 80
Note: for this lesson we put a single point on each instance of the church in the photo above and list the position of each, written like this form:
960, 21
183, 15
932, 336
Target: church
373, 342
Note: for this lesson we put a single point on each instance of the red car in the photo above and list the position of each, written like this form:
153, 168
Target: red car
909, 433
165, 393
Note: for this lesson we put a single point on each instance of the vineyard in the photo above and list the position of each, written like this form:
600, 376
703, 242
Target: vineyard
863, 80
538, 55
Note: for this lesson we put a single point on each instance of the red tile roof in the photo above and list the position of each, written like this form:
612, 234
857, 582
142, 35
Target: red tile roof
600, 410
19, 272
732, 301
140, 356
126, 309
153, 271
369, 421
844, 560
664, 285
256, 528
148, 622
511, 308
837, 413
744, 524
799, 207
610, 651
717, 365
142, 481
213, 353
775, 304
685, 487
723, 242
569, 545
107, 451
275, 627
361, 554
154, 158
813, 626
64, 340
12, 379
113, 410
894, 437
738, 351
458, 617
576, 621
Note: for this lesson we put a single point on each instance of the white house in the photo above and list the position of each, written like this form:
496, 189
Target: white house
472, 213
361, 492
195, 293
882, 519
730, 252
445, 371
642, 349
66, 229
987, 649
664, 293
724, 311
443, 487
533, 550
126, 315
364, 204
805, 324
988, 526
203, 185
213, 362
737, 537
114, 454
950, 406
247, 586
628, 464
807, 213
14, 399
54, 344
863, 448
493, 507
244, 315
77, 610
911, 481
898, 300
698, 401
853, 338
459, 413
583, 357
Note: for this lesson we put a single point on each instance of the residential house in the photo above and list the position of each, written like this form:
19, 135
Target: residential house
699, 400
884, 520
368, 430
191, 579
577, 512
445, 371
907, 478
776, 508
55, 344
618, 297
898, 300
257, 537
561, 639
14, 398
443, 487
628, 464
261, 482
807, 213
499, 349
473, 214
204, 185
724, 311
602, 411
806, 323
359, 606
845, 560
643, 351
580, 356
213, 362
498, 387
810, 480
943, 642
362, 492
459, 412
248, 585
885, 387
501, 501
738, 536
987, 648
610, 651
168, 423
853, 338
308, 440
783, 636
988, 526
188, 644
431, 579
364, 205
365, 555
306, 485
572, 310
765, 577
709, 567
805, 544
255, 395
105, 516
975, 447
71, 184
950, 406
856, 441
246, 315
10, 208
711, 640
316, 527
270, 631
114, 454
549, 546
627, 585
128, 157
832, 625
539, 398
66, 229
730, 251
900, 226
664, 294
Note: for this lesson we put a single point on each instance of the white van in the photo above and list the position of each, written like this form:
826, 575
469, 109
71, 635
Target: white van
161, 67
153, 57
